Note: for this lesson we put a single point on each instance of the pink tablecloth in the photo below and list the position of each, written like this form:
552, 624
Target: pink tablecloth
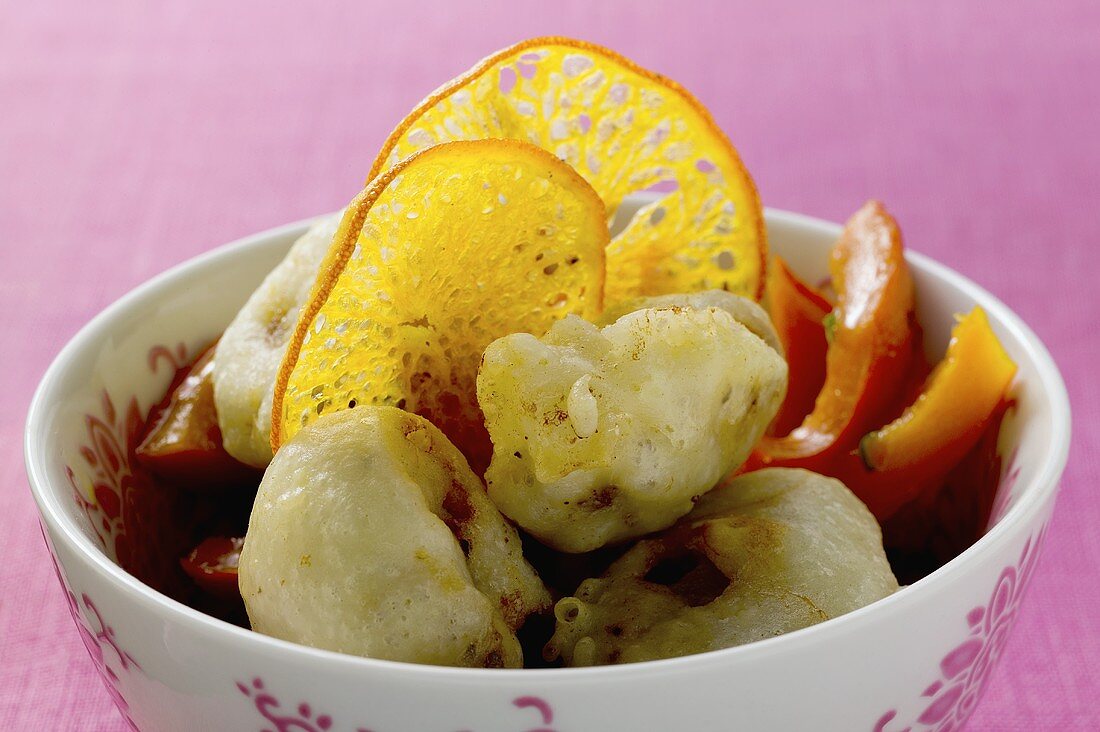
133, 136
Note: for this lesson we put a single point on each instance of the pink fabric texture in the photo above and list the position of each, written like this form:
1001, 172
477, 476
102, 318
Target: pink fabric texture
136, 135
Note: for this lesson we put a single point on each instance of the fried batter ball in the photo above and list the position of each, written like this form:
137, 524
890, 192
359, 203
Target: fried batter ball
764, 554
250, 351
743, 310
371, 536
605, 434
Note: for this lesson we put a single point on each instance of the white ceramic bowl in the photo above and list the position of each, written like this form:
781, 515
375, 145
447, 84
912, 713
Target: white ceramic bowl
917, 660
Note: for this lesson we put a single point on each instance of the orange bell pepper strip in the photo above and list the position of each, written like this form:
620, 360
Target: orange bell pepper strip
914, 455
872, 348
949, 416
797, 312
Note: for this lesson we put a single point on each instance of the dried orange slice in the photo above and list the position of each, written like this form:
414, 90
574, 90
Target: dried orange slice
626, 130
436, 258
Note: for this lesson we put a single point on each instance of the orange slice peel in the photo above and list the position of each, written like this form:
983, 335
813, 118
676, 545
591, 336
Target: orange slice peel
626, 130
448, 250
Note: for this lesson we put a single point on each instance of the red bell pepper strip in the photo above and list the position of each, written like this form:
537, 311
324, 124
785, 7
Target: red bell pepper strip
798, 312
213, 566
939, 523
872, 348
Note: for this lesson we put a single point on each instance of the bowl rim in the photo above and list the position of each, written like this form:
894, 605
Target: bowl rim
1033, 497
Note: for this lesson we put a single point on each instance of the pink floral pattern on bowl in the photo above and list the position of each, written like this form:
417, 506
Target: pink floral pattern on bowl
99, 637
111, 436
127, 511
107, 465
300, 719
304, 718
965, 669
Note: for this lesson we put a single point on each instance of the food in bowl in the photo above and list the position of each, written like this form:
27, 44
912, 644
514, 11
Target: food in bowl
602, 435
371, 535
252, 347
470, 320
765, 553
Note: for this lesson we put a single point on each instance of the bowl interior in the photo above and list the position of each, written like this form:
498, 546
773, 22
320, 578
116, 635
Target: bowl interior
91, 404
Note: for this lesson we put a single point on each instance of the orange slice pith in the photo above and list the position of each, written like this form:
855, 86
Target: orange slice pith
626, 130
445, 252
